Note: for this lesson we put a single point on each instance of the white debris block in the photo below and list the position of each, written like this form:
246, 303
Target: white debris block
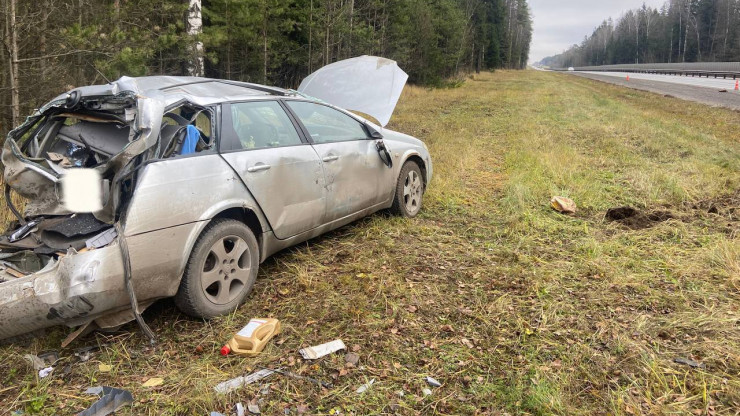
235, 383
318, 351
363, 388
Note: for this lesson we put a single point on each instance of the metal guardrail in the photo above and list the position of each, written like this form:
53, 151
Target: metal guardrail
701, 69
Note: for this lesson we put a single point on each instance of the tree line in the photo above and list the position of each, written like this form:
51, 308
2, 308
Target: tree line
50, 46
680, 31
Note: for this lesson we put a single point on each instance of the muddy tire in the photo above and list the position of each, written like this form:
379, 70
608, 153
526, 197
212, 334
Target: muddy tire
221, 270
409, 191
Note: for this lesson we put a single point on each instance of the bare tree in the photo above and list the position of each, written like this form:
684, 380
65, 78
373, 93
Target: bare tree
194, 22
11, 44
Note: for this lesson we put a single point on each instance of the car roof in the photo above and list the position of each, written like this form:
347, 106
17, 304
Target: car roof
173, 89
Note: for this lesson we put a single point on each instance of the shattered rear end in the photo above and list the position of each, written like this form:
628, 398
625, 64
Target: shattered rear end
59, 267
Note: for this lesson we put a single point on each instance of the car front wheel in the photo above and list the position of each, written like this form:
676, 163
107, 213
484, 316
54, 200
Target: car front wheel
221, 270
409, 191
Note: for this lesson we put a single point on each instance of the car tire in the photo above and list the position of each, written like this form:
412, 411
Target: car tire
409, 191
221, 270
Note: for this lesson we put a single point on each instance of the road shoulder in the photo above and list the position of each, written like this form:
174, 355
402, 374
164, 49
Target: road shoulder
704, 95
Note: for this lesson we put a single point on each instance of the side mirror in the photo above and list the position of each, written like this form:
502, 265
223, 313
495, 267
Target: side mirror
374, 134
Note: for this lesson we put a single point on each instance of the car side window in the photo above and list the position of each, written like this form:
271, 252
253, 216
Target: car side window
262, 124
325, 124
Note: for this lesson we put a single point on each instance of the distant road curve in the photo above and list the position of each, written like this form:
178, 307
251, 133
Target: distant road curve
707, 69
711, 82
703, 90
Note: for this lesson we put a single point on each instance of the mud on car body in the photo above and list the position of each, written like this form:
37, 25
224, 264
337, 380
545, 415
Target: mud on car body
201, 181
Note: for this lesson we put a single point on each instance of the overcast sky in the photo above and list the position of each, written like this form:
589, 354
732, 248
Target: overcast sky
558, 24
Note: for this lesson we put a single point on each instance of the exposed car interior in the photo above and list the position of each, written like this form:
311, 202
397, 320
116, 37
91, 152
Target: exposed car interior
178, 124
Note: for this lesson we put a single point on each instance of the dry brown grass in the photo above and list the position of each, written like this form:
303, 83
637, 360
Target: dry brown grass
514, 308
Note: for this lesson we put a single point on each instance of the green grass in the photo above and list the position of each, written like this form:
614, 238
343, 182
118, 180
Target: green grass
515, 308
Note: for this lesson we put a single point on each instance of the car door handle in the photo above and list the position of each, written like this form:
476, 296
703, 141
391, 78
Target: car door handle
330, 158
258, 167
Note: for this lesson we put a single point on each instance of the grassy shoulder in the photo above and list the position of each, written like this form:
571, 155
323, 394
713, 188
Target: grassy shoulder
514, 308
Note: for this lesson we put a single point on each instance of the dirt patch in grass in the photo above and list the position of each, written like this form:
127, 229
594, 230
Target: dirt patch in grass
635, 219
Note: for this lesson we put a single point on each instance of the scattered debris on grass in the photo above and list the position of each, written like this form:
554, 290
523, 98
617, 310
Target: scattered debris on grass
318, 351
253, 408
563, 205
104, 368
239, 409
235, 383
690, 363
363, 388
427, 392
44, 372
253, 338
112, 400
153, 382
97, 390
432, 382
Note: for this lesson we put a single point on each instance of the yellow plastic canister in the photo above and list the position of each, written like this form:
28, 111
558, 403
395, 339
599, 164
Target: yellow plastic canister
251, 340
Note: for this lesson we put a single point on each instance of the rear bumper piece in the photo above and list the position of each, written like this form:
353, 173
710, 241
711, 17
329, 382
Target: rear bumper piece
87, 286
73, 290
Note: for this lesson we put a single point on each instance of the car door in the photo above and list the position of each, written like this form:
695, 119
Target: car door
280, 168
356, 178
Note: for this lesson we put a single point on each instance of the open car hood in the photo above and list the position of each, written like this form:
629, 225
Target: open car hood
368, 84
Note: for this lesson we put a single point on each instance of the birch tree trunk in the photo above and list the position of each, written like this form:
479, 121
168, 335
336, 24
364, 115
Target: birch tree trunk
196, 66
15, 106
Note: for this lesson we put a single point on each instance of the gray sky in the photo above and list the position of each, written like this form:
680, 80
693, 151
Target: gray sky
558, 24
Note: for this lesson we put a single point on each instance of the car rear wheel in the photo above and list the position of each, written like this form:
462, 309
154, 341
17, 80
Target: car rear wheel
409, 191
221, 270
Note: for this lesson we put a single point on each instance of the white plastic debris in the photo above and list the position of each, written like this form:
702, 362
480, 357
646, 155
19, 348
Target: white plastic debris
44, 372
239, 409
253, 408
235, 383
427, 392
432, 382
94, 390
363, 388
318, 351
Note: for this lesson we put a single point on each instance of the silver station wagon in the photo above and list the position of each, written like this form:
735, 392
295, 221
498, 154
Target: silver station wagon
200, 180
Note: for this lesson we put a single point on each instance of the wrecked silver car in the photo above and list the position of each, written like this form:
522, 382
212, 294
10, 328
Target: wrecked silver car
201, 180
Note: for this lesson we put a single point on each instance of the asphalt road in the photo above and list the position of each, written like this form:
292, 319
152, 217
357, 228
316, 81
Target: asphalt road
703, 90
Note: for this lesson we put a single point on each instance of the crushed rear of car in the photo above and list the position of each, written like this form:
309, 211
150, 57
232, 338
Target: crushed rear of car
60, 267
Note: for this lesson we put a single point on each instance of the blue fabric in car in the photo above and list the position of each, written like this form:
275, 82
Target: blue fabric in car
191, 140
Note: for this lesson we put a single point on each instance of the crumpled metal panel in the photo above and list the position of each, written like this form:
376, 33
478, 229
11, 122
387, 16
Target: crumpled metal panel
82, 287
40, 185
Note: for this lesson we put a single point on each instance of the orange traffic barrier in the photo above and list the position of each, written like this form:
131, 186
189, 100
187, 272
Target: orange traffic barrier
737, 85
628, 77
